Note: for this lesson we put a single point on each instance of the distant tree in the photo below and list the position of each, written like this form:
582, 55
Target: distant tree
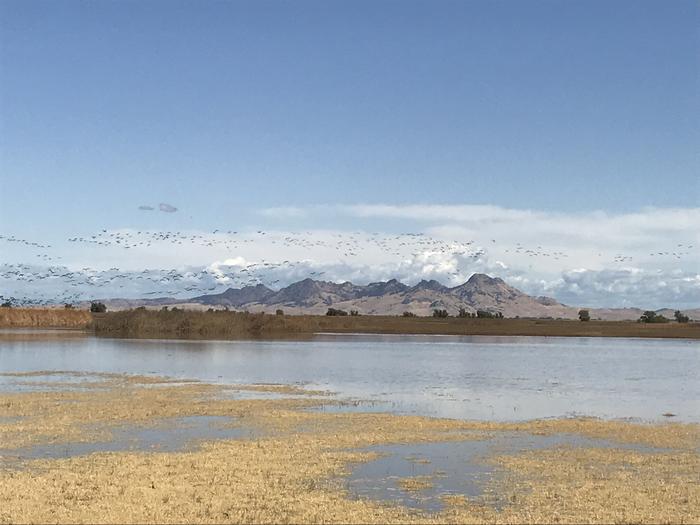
650, 316
464, 313
141, 309
647, 317
68, 306
440, 313
336, 311
485, 314
164, 309
354, 313
408, 314
279, 311
681, 317
97, 307
584, 315
6, 304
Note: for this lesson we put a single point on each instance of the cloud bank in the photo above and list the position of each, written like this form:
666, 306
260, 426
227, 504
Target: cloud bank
649, 258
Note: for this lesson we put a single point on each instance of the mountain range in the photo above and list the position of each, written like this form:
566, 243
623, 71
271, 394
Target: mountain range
309, 296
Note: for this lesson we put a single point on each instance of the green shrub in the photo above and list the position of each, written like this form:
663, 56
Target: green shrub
650, 316
463, 313
485, 314
681, 317
97, 308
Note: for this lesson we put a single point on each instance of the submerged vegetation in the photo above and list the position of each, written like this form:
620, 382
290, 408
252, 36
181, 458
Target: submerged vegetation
293, 465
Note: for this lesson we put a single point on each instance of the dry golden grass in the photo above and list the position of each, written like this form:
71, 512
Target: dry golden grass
416, 483
572, 485
44, 318
292, 471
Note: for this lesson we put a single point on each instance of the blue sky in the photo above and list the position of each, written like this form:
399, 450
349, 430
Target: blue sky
228, 110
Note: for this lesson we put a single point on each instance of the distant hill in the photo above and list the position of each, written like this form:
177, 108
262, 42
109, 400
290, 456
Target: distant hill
236, 297
309, 296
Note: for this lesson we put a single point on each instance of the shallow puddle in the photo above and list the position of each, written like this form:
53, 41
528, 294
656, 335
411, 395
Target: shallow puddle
49, 382
354, 406
168, 435
420, 475
259, 394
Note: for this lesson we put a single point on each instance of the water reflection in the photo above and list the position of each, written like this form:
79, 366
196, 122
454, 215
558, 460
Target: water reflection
460, 468
500, 378
164, 435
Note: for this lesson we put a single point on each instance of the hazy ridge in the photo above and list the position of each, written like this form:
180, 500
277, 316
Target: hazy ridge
309, 296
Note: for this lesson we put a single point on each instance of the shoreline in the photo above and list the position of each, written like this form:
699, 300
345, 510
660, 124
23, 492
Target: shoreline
240, 325
225, 325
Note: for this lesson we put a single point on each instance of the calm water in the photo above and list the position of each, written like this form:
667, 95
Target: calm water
453, 467
169, 435
502, 378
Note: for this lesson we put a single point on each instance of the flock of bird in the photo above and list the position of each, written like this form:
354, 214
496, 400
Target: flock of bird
348, 245
68, 286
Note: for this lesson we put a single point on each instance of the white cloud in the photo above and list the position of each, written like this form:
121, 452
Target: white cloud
650, 257
628, 287
284, 212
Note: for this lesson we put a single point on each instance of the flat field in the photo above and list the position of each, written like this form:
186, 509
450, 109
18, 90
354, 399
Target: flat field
239, 325
232, 325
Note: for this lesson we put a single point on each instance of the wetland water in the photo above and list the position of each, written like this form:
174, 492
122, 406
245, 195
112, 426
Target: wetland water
168, 435
488, 378
452, 467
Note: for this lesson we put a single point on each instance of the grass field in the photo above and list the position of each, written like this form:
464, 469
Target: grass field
237, 325
44, 318
231, 325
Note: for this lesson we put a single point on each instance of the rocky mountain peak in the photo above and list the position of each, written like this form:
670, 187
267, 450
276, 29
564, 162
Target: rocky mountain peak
432, 284
481, 279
